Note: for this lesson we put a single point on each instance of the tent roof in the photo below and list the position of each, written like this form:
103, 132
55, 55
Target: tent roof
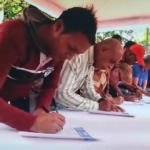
110, 13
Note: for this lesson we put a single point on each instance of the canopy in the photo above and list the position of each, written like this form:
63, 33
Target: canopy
110, 13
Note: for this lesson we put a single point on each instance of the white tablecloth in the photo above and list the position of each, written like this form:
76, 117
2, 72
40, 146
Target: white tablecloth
115, 133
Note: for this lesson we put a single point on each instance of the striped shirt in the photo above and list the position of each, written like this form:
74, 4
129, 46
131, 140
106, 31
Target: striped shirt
78, 74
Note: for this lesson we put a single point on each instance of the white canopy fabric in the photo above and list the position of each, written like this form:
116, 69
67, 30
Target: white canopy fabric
110, 13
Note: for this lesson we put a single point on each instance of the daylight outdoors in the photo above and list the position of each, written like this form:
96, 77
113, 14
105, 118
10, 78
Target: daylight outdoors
74, 74
10, 9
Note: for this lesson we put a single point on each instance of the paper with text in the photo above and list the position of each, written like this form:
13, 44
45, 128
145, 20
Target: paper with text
66, 133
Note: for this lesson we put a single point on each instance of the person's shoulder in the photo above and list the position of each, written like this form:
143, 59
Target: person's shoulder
87, 57
13, 38
12, 28
80, 58
137, 66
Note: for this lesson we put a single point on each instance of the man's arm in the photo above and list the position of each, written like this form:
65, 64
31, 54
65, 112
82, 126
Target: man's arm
136, 73
135, 81
88, 87
48, 122
10, 115
143, 91
145, 78
138, 91
144, 85
126, 98
65, 92
119, 92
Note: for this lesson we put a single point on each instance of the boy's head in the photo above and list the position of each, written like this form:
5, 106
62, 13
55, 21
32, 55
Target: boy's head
73, 32
133, 53
121, 72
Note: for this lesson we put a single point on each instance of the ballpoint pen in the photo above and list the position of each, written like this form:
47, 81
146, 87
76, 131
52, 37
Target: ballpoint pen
55, 105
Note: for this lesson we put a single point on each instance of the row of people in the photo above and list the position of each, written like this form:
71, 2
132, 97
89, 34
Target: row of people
34, 47
73, 79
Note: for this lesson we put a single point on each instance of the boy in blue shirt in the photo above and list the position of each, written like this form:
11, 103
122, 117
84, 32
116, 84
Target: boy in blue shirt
140, 73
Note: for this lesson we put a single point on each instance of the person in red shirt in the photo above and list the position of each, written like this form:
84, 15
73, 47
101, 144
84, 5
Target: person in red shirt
34, 47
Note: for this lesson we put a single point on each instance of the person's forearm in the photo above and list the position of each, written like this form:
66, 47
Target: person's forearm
89, 89
131, 87
45, 98
75, 101
15, 117
142, 90
118, 90
144, 85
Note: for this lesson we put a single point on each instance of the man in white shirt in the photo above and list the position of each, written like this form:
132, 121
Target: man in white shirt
77, 74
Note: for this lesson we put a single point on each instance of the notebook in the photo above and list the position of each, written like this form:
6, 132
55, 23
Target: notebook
67, 133
111, 113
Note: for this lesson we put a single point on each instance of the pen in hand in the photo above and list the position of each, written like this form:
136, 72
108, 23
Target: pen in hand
55, 105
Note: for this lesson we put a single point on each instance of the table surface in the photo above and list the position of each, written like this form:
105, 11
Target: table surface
114, 132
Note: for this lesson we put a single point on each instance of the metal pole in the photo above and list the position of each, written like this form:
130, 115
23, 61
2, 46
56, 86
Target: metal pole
147, 41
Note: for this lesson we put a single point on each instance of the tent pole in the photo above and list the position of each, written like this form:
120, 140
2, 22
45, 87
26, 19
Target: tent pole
147, 41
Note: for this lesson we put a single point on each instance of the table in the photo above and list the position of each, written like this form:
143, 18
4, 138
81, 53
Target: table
115, 133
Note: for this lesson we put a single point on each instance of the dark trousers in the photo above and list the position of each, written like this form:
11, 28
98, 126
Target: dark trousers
22, 103
112, 91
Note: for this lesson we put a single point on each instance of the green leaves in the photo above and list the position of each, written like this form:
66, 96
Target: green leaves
1, 5
105, 35
143, 38
13, 8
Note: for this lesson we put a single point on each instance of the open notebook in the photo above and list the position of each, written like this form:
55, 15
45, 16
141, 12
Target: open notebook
66, 133
110, 113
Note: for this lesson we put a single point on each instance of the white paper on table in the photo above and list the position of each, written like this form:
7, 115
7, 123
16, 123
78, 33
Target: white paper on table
67, 133
111, 113
146, 99
133, 103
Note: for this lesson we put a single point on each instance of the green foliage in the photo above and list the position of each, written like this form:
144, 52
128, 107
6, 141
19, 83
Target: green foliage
143, 38
104, 35
14, 8
1, 5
